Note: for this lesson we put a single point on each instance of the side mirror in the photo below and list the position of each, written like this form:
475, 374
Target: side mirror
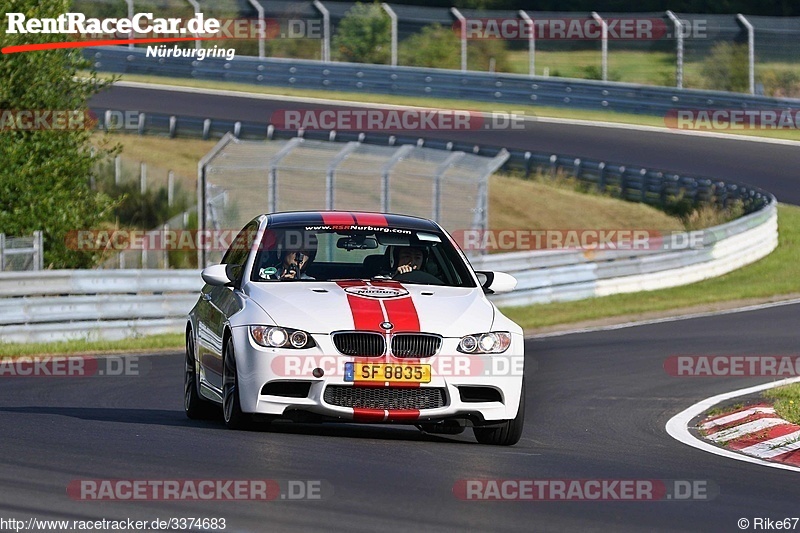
496, 282
216, 275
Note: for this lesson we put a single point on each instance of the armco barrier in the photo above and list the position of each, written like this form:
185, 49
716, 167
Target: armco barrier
119, 303
559, 276
109, 304
506, 89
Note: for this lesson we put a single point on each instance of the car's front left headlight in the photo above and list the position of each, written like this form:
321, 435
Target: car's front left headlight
278, 337
491, 342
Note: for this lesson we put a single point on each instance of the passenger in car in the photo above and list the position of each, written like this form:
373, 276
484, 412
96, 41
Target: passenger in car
294, 263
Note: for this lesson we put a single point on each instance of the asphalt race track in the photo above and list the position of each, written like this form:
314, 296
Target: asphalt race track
773, 167
596, 409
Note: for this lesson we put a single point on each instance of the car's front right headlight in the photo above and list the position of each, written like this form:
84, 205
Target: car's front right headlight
278, 337
491, 342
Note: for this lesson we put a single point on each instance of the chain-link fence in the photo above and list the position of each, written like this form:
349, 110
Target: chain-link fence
652, 48
21, 253
242, 179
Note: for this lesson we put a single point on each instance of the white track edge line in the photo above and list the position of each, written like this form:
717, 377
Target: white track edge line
534, 118
755, 307
677, 426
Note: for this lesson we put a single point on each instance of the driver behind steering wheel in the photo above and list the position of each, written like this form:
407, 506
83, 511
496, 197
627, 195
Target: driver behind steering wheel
408, 259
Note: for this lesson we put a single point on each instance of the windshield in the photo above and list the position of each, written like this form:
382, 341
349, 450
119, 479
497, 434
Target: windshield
409, 256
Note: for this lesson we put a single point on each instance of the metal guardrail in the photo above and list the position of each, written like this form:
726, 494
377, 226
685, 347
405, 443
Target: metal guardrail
506, 89
53, 305
633, 183
94, 304
571, 275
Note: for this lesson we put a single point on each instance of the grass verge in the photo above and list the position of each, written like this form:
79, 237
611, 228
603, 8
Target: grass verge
787, 401
443, 103
167, 341
777, 274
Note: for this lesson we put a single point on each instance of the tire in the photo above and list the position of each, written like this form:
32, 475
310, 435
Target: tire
195, 406
509, 432
231, 406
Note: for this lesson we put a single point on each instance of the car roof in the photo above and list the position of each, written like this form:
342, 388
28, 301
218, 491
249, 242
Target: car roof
350, 218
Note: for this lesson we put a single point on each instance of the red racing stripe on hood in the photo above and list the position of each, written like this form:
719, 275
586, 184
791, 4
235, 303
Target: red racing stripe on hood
401, 311
367, 313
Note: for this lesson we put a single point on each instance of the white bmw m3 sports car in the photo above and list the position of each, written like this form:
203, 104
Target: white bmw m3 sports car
354, 317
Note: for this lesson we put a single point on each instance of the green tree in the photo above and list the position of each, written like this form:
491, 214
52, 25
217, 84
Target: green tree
45, 174
440, 47
363, 36
726, 69
435, 46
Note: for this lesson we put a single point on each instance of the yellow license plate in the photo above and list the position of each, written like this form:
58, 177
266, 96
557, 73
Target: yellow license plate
381, 372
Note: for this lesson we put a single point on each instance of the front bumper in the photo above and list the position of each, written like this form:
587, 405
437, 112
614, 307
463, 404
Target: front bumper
451, 371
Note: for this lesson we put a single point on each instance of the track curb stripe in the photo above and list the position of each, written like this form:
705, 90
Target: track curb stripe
678, 428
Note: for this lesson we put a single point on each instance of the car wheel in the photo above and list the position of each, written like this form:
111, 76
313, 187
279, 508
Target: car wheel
509, 432
231, 407
196, 407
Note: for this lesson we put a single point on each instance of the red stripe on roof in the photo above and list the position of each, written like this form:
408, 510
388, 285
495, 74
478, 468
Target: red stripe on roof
336, 219
370, 219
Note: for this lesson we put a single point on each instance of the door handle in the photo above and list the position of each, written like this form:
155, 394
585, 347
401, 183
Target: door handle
207, 296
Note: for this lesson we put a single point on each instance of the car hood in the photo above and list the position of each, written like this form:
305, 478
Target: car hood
322, 307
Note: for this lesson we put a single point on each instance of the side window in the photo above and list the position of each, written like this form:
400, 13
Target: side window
240, 248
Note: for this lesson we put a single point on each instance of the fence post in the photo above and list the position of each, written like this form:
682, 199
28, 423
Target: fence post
170, 188
38, 250
679, 49
262, 30
604, 34
326, 31
143, 177
117, 170
463, 23
750, 51
164, 241
2, 252
531, 42
393, 16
